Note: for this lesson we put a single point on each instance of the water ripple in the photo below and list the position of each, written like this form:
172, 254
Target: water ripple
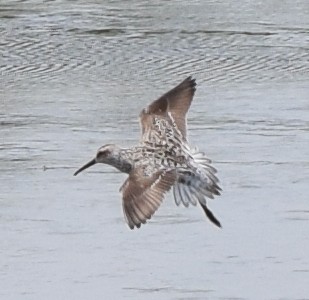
72, 44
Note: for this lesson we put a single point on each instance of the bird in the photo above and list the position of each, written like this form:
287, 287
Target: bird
162, 160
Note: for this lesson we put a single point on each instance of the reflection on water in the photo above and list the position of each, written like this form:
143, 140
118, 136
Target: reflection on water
70, 69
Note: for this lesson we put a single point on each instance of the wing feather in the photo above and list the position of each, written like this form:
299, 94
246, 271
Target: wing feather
142, 195
173, 106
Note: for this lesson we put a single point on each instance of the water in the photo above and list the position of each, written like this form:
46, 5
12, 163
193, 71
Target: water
69, 69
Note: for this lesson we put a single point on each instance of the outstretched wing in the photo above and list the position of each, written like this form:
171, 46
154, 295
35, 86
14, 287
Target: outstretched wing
174, 104
142, 195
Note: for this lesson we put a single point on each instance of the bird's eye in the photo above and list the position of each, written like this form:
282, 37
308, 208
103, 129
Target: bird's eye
103, 153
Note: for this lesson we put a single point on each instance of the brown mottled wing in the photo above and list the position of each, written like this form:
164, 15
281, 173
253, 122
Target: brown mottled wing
177, 102
142, 195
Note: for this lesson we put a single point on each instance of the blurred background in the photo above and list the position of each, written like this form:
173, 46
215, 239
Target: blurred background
74, 75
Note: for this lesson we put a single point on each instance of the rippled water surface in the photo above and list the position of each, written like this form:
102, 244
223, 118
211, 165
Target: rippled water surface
74, 76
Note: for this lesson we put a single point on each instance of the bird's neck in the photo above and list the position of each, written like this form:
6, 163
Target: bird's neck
122, 161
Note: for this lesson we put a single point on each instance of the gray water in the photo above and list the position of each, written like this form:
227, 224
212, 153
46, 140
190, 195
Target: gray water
74, 76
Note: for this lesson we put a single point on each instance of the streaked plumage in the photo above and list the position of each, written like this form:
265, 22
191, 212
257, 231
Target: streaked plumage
162, 160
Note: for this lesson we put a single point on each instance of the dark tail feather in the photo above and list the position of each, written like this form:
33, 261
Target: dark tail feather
210, 215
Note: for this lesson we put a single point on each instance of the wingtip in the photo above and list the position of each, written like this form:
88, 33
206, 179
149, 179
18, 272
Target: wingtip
191, 80
133, 226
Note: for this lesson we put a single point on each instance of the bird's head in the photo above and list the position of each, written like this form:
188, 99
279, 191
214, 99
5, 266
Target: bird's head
105, 155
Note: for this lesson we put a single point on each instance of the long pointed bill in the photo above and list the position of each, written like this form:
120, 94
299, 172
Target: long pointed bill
87, 165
